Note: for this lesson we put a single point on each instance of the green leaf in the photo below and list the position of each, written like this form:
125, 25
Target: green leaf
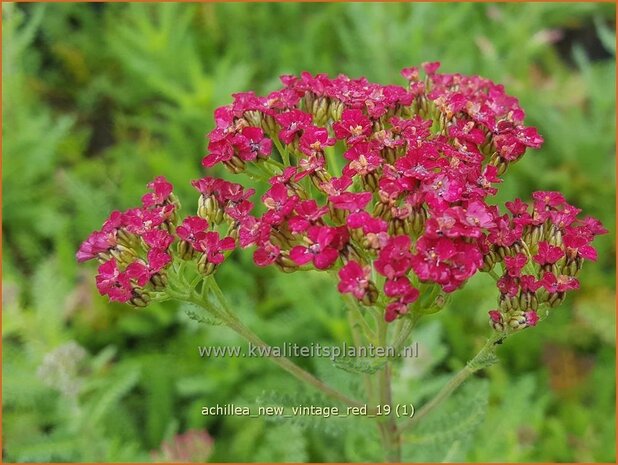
445, 434
359, 365
200, 315
333, 425
292, 449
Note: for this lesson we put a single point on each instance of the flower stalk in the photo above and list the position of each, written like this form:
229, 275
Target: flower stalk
221, 310
483, 359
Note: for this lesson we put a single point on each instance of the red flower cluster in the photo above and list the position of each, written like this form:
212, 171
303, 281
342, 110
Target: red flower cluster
133, 247
386, 184
543, 247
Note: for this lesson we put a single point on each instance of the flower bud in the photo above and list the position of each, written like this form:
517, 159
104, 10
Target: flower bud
419, 216
500, 163
269, 125
253, 117
371, 296
400, 227
320, 177
358, 235
208, 208
128, 240
502, 252
572, 267
336, 110
528, 300
320, 111
370, 182
389, 155
381, 210
555, 299
378, 125
338, 215
508, 303
185, 250
517, 320
294, 146
235, 164
306, 102
496, 320
140, 298
123, 255
159, 280
554, 236
282, 238
489, 260
204, 266
534, 234
286, 264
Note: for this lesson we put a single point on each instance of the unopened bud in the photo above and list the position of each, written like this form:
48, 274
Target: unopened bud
517, 320
419, 216
399, 227
306, 102
128, 240
528, 300
205, 267
370, 182
555, 299
123, 255
185, 250
508, 303
140, 298
339, 216
389, 155
253, 117
555, 236
320, 111
371, 295
381, 209
159, 280
207, 207
269, 125
336, 110
489, 260
286, 264
235, 164
496, 320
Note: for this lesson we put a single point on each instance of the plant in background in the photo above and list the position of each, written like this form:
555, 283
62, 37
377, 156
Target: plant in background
385, 188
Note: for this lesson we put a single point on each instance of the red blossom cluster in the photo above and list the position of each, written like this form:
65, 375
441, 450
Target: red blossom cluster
386, 185
133, 246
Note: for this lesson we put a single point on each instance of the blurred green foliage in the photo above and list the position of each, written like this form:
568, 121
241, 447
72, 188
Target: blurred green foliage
99, 98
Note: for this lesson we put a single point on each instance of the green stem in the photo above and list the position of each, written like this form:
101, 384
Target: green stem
285, 156
358, 341
359, 318
483, 359
391, 438
406, 328
493, 274
224, 313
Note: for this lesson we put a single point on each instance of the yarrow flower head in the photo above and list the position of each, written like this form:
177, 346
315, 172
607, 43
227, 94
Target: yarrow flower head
387, 187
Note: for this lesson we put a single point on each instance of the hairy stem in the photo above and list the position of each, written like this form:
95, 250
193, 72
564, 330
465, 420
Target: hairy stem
391, 438
483, 359
222, 311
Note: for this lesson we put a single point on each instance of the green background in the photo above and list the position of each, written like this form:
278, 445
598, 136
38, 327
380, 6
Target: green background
98, 99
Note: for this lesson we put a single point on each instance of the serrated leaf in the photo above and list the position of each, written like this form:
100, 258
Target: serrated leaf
200, 316
359, 365
273, 449
453, 423
116, 390
333, 425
